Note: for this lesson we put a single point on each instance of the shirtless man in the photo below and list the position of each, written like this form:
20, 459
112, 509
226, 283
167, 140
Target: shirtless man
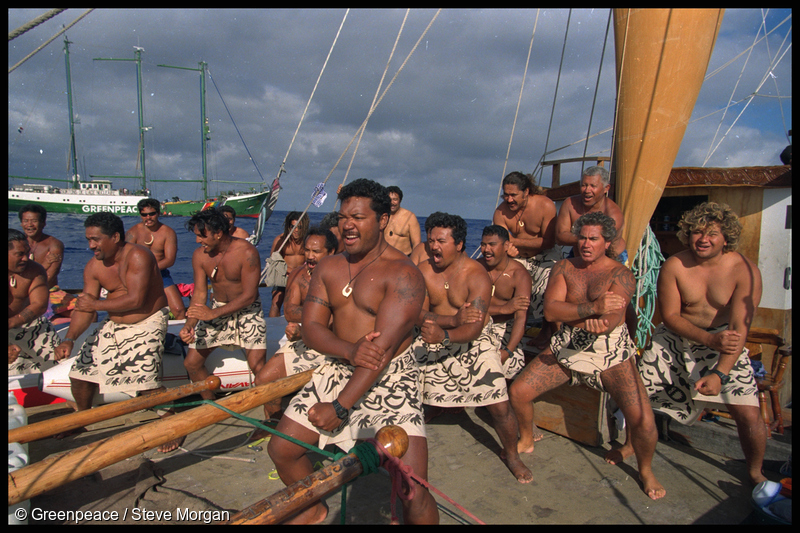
373, 294
588, 294
460, 363
291, 252
31, 337
707, 296
124, 353
235, 317
45, 249
402, 232
595, 184
295, 357
511, 297
230, 214
163, 242
331, 222
530, 221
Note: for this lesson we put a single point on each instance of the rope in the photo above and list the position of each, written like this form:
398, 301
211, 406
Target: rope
35, 22
646, 266
370, 453
516, 114
596, 89
50, 40
374, 107
374, 98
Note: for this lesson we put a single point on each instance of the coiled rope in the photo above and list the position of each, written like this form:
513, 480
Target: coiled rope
646, 266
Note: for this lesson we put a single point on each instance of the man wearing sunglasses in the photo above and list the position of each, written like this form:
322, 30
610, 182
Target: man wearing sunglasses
163, 242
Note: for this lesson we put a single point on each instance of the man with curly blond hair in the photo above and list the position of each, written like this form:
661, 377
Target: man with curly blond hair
707, 296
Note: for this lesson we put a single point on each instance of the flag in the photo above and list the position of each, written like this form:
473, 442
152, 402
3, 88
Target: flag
319, 195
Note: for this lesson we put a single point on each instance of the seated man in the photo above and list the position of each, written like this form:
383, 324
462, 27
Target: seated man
530, 220
294, 356
235, 317
373, 294
707, 296
511, 296
459, 359
588, 294
31, 338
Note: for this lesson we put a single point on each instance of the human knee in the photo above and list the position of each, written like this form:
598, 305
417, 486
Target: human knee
520, 392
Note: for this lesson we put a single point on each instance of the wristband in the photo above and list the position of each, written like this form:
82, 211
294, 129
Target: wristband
341, 412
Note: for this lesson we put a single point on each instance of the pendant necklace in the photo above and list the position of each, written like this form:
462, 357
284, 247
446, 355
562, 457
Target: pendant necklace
347, 288
148, 243
12, 281
520, 223
503, 273
214, 272
446, 282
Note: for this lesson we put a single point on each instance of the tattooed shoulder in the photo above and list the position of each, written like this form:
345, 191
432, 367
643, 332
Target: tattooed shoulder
316, 300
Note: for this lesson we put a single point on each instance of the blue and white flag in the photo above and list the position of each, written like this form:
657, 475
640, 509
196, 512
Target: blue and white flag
319, 195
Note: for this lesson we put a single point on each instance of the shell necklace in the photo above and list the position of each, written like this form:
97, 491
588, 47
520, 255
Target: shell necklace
347, 288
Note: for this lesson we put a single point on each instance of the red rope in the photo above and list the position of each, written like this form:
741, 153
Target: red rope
402, 475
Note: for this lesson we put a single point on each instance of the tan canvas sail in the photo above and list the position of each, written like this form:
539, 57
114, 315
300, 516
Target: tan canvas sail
662, 57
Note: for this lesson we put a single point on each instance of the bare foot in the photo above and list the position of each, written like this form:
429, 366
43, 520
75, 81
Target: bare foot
618, 455
171, 445
652, 487
69, 433
311, 515
525, 445
518, 468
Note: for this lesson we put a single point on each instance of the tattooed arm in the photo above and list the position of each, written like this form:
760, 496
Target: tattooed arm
607, 307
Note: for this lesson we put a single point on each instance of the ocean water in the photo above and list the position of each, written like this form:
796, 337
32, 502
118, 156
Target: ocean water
69, 229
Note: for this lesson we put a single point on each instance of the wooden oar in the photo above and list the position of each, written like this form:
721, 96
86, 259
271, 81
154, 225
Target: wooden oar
53, 472
46, 428
296, 497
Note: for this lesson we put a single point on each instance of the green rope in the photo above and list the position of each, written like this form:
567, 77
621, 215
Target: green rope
365, 451
646, 266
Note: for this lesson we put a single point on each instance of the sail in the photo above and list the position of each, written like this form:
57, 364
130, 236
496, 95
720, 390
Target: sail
662, 57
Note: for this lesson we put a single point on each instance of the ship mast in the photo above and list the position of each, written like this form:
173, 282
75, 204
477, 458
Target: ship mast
205, 130
137, 58
73, 151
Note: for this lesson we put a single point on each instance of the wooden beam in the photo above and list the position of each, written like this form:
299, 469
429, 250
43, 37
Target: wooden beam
53, 472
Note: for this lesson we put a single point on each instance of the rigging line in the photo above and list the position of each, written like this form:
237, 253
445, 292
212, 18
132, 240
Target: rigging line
383, 94
35, 22
386, 90
374, 98
235, 126
50, 40
621, 63
596, 89
775, 79
516, 113
314, 90
558, 80
749, 100
735, 86
746, 50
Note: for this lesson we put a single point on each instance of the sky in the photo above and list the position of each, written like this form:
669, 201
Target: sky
442, 132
